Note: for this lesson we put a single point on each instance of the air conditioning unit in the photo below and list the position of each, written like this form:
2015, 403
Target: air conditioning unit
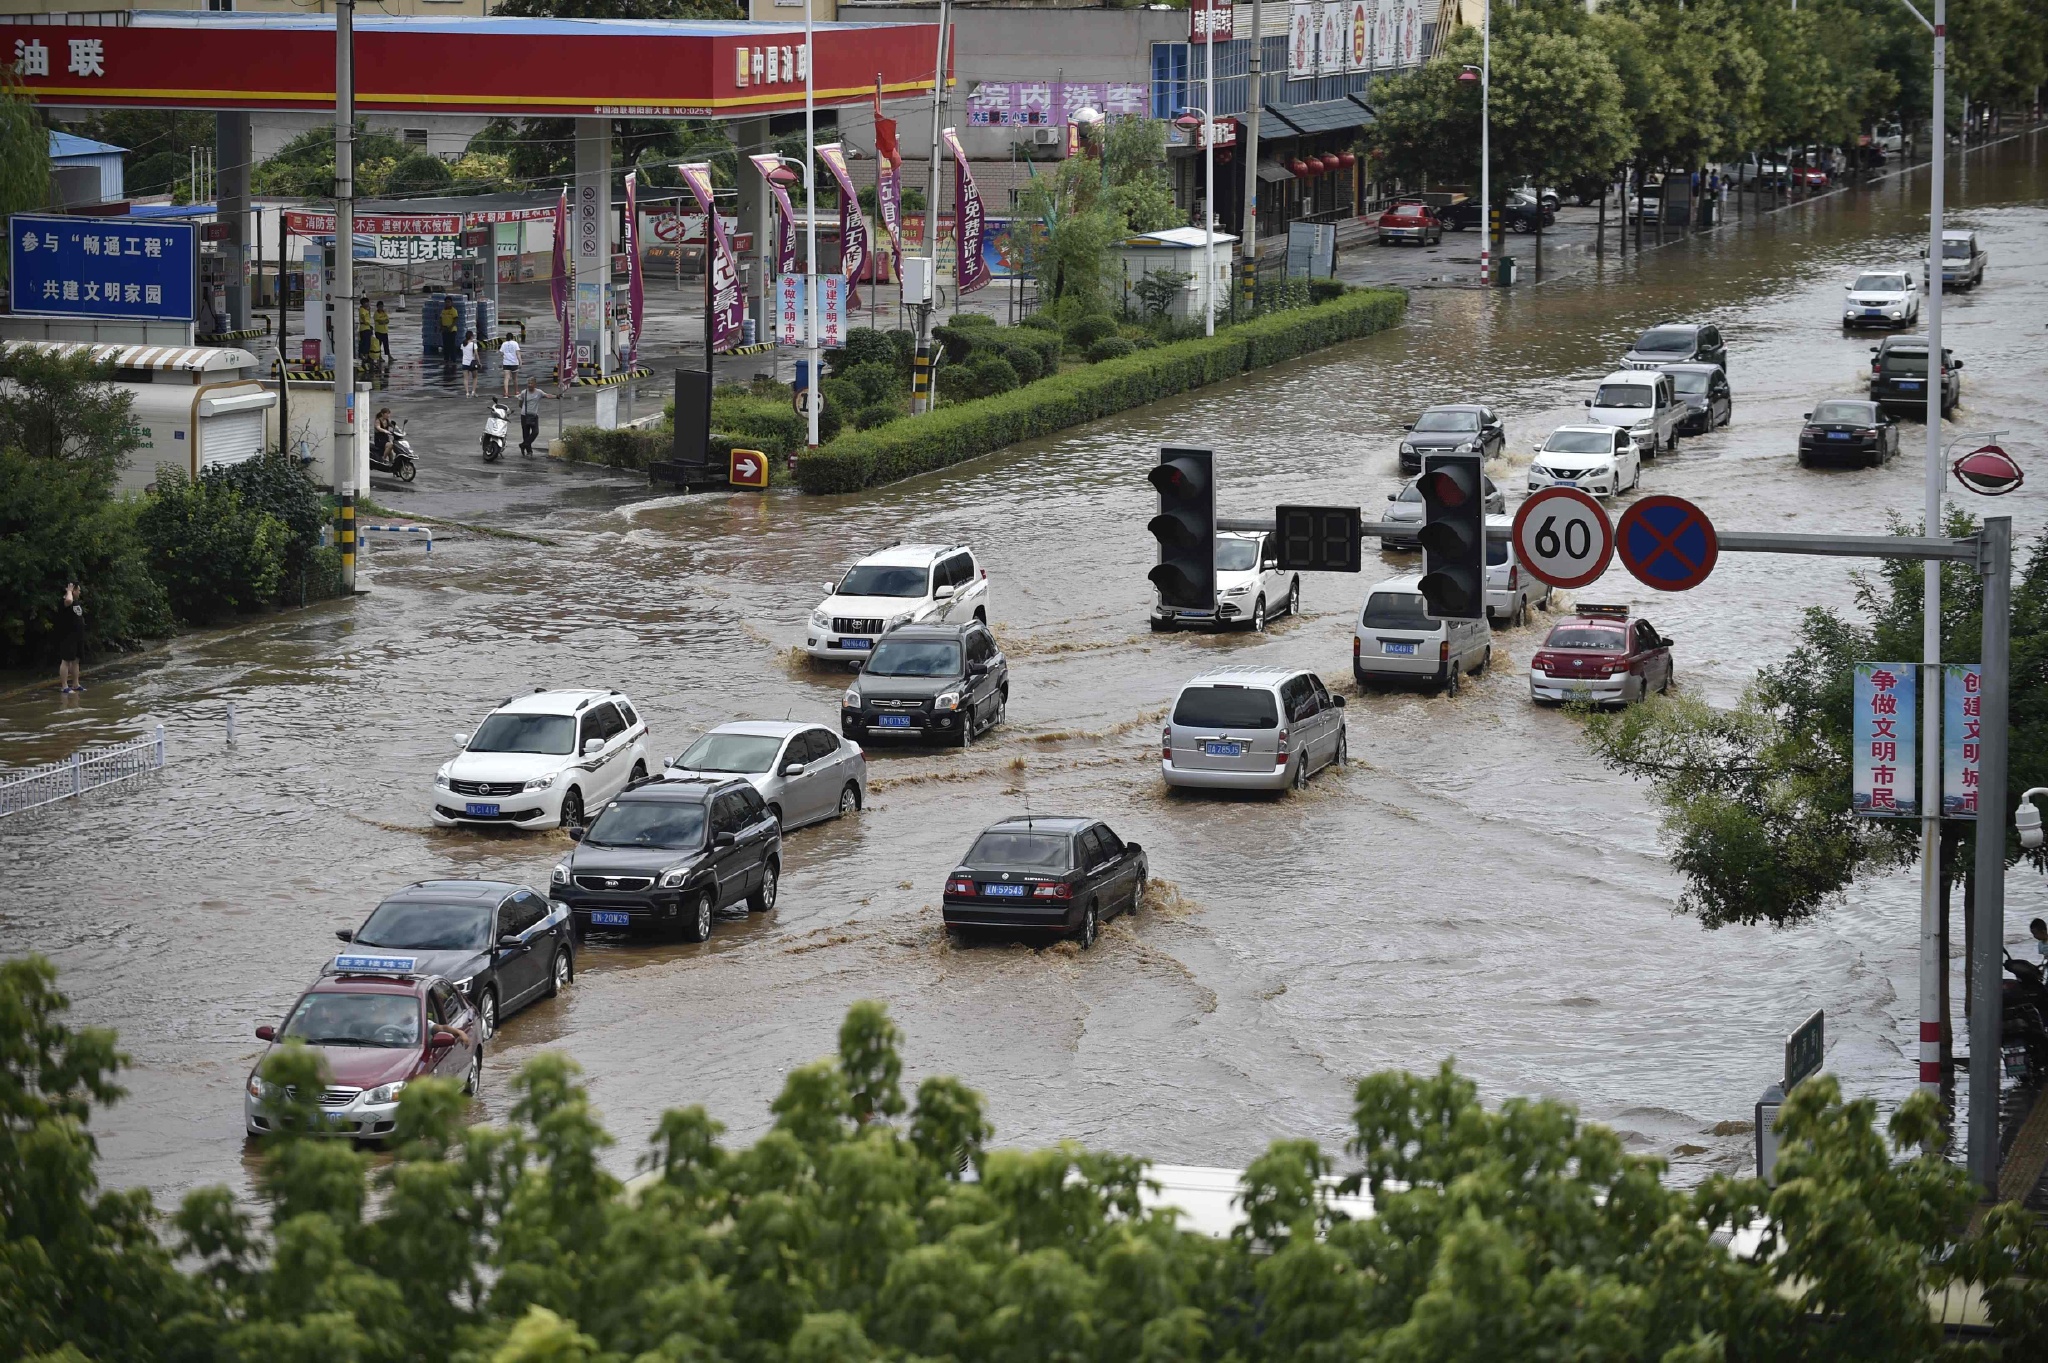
1046, 137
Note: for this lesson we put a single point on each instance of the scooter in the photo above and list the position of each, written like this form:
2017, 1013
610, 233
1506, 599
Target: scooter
496, 427
2023, 1020
396, 459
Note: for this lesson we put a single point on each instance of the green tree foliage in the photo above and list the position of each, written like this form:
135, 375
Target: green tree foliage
873, 1224
1089, 203
235, 538
417, 174
157, 142
304, 166
24, 153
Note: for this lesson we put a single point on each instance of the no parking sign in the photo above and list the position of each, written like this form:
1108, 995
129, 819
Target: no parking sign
1668, 543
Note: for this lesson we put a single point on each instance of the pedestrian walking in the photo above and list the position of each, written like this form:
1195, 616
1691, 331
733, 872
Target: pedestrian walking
471, 363
508, 357
450, 319
365, 333
529, 413
380, 322
70, 639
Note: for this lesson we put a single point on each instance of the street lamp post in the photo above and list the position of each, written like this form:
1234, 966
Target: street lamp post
1483, 73
812, 300
1208, 127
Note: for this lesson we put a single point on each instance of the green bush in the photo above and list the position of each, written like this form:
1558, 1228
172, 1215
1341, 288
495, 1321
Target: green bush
844, 394
877, 382
992, 374
625, 448
972, 319
215, 555
831, 421
905, 344
1047, 345
1023, 359
1110, 348
1040, 321
768, 424
275, 484
958, 342
57, 526
881, 414
967, 430
1322, 290
864, 345
1086, 331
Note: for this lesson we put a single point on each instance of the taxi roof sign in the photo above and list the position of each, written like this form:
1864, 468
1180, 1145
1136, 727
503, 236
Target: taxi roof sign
352, 963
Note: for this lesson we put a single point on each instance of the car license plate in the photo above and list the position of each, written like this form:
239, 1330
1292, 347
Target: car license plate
1838, 435
1002, 891
1223, 749
1909, 383
1873, 312
481, 811
1399, 650
893, 721
1565, 482
610, 918
855, 643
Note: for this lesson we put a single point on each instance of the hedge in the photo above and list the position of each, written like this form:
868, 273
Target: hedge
628, 447
953, 434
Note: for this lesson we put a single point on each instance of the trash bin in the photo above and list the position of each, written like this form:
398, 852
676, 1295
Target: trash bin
1703, 215
1504, 271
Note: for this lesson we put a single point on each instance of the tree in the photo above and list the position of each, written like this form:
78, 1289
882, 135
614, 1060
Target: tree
24, 154
1091, 202
416, 175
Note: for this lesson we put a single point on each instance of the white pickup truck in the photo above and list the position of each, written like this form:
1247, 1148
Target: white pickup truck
1643, 402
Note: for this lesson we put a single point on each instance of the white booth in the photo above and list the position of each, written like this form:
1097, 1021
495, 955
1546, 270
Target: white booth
1178, 251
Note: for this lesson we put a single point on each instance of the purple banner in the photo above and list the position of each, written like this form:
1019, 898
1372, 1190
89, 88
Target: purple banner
969, 218
636, 293
565, 370
724, 275
1023, 104
853, 228
785, 216
889, 207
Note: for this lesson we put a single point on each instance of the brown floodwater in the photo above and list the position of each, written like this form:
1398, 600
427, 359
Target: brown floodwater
1473, 885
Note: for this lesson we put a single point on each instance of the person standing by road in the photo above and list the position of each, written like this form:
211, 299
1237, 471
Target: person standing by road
471, 363
365, 332
508, 356
529, 413
449, 319
380, 322
70, 639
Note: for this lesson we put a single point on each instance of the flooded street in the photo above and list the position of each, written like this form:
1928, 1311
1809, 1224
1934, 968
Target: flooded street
1295, 944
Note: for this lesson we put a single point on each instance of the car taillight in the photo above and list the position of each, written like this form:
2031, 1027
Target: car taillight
1356, 648
1280, 751
1443, 651
1058, 890
1166, 744
959, 886
1514, 575
1867, 432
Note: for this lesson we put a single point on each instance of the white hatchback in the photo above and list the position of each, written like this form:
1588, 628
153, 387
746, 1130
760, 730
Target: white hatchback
1602, 460
904, 584
541, 760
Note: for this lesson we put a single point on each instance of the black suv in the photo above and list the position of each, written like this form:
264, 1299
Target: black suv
1677, 343
666, 855
1456, 427
1898, 375
1052, 873
946, 682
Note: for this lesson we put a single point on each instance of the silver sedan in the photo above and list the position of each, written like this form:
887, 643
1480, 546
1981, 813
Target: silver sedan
804, 773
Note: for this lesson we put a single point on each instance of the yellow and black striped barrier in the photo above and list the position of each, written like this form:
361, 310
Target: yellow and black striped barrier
310, 375
921, 379
607, 380
348, 540
230, 337
760, 349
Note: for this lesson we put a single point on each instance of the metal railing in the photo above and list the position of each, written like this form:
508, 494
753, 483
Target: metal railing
86, 769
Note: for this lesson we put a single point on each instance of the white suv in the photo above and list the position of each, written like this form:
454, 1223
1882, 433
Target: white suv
552, 757
900, 585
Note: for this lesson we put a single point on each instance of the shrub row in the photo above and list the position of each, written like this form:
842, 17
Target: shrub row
967, 431
624, 448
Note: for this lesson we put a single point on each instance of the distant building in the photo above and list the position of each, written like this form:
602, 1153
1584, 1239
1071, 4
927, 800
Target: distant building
83, 171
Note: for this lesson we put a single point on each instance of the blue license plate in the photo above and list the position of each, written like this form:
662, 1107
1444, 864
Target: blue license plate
1399, 650
893, 721
481, 811
610, 918
1838, 435
1223, 749
990, 891
1909, 383
1566, 482
855, 643
1873, 312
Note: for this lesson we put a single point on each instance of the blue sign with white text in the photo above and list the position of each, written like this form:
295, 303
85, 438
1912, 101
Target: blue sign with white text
104, 267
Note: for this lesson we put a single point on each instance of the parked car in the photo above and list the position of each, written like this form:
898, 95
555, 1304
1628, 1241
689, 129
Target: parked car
1813, 177
666, 855
1252, 729
1852, 431
1642, 402
1410, 220
1048, 873
1517, 214
1677, 343
502, 945
1405, 508
1647, 202
936, 682
1962, 259
1599, 459
542, 760
1887, 135
1703, 388
805, 774
1603, 655
1549, 198
1250, 587
1510, 592
1898, 375
1881, 298
1396, 640
902, 584
1453, 428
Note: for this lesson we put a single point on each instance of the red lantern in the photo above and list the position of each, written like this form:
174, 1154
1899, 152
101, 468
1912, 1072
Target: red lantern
1332, 163
1300, 168
1346, 160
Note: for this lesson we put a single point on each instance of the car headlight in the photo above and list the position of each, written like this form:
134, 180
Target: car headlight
1237, 591
1465, 448
385, 1093
948, 700
851, 700
1641, 426
561, 873
671, 879
820, 620
441, 779
463, 984
1407, 448
901, 620
542, 782
261, 1088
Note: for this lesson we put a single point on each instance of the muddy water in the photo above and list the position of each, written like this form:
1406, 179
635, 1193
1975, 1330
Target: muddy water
1473, 885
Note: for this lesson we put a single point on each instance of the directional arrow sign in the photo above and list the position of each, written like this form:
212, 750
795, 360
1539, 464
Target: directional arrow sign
1668, 543
749, 469
1563, 537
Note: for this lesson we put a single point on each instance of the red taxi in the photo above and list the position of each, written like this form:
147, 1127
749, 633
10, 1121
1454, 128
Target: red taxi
376, 1026
1603, 655
1411, 220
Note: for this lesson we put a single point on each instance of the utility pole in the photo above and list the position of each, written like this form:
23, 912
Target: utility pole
1986, 983
343, 300
812, 293
1209, 178
1485, 149
1255, 96
921, 383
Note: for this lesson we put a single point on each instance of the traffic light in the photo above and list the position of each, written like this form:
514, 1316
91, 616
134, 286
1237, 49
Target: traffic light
1453, 536
1185, 527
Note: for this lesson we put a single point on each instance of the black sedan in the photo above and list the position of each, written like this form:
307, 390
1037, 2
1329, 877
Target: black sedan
1703, 388
501, 944
1849, 431
1047, 873
1453, 428
1518, 214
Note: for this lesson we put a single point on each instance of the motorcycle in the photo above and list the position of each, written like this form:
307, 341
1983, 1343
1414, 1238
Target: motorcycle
496, 428
396, 458
2023, 1020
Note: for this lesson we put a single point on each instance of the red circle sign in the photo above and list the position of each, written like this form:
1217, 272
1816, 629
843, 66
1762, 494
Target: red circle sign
1562, 536
1668, 543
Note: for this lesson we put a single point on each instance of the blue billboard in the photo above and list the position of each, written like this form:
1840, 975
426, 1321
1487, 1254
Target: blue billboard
104, 268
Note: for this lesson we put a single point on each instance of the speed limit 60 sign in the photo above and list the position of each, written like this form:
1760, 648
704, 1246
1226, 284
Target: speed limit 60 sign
1563, 537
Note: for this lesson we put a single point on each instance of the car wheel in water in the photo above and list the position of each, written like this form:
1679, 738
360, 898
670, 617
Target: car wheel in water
966, 738
1451, 680
572, 809
1301, 773
639, 774
1138, 890
1294, 598
473, 1082
1521, 615
775, 813
1088, 927
849, 800
560, 973
763, 899
1259, 616
697, 918
1485, 661
1343, 750
487, 1013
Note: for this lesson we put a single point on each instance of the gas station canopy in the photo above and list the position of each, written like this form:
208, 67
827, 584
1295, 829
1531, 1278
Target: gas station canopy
591, 68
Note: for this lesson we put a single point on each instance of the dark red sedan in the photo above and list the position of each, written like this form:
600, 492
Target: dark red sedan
1411, 220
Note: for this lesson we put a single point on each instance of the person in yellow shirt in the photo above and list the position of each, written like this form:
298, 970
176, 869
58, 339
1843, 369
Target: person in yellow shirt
380, 322
364, 333
449, 319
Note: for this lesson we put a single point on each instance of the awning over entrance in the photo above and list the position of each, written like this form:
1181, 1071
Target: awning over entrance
1329, 116
519, 67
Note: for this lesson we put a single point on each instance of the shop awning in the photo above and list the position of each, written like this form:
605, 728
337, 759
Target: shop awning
1329, 116
1272, 172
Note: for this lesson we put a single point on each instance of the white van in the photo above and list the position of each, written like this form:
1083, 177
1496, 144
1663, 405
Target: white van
1510, 591
1643, 402
1396, 640
1252, 729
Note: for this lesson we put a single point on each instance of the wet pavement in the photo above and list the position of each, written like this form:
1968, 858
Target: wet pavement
1472, 885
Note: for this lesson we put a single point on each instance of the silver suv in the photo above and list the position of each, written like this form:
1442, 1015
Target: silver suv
1251, 729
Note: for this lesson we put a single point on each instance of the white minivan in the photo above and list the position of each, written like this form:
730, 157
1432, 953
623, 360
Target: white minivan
1396, 640
1643, 402
1510, 590
1251, 729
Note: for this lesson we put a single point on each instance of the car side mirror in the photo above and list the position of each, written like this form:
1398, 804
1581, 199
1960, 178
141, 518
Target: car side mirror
510, 941
1955, 364
575, 834
1269, 565
1806, 416
443, 1037
1587, 403
1409, 426
1392, 495
266, 1033
592, 745
793, 769
345, 934
723, 838
944, 593
1337, 701
462, 740
977, 669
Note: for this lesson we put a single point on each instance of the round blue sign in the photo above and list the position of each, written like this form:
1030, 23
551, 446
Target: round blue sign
1667, 542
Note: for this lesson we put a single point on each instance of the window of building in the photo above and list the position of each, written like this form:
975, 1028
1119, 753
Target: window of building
1169, 79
